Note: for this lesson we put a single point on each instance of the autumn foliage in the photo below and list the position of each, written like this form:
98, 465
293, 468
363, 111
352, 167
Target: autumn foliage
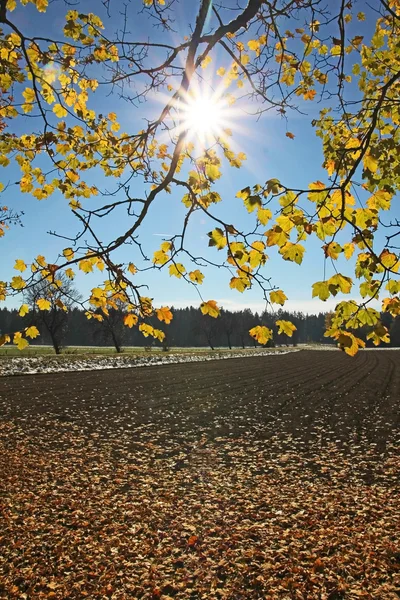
283, 57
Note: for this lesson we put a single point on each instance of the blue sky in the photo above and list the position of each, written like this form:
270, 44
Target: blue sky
269, 154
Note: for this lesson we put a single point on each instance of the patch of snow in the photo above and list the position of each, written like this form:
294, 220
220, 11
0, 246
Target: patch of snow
31, 365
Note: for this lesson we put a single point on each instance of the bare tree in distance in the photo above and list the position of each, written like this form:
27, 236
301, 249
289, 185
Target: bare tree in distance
50, 303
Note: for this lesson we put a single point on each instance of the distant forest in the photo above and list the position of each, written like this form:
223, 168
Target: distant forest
189, 328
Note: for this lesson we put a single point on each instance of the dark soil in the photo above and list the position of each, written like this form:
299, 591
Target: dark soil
269, 477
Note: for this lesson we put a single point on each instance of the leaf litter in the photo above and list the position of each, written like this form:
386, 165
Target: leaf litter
259, 478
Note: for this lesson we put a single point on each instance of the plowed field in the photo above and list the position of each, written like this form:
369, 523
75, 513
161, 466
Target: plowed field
262, 478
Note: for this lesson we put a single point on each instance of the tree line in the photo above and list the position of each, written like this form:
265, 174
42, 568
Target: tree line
188, 328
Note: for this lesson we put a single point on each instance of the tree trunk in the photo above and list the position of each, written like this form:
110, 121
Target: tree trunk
56, 345
228, 335
116, 343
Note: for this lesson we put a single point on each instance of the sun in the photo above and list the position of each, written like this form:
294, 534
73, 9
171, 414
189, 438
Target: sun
204, 116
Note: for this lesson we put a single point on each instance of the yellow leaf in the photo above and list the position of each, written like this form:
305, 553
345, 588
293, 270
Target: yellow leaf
206, 62
348, 250
72, 176
348, 342
393, 286
264, 215
132, 269
86, 265
32, 332
19, 341
309, 95
253, 45
212, 172
261, 334
59, 111
4, 339
41, 261
20, 265
177, 270
146, 330
210, 308
41, 5
221, 72
160, 258
278, 297
389, 260
196, 276
11, 5
380, 199
164, 314
286, 327
17, 283
29, 95
24, 309
320, 289
333, 250
379, 334
276, 236
166, 246
43, 304
370, 163
340, 282
75, 204
130, 320
217, 238
252, 202
239, 283
330, 167
100, 264
316, 194
68, 253
69, 273
292, 252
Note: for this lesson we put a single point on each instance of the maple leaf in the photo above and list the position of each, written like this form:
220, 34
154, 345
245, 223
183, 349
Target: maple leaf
264, 215
17, 283
309, 95
340, 283
20, 341
20, 265
177, 270
292, 252
24, 309
261, 334
132, 269
370, 163
217, 238
348, 342
196, 276
164, 314
32, 332
130, 320
320, 289
290, 135
332, 250
85, 265
210, 308
68, 253
4, 339
160, 258
43, 304
286, 327
278, 297
59, 111
239, 284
